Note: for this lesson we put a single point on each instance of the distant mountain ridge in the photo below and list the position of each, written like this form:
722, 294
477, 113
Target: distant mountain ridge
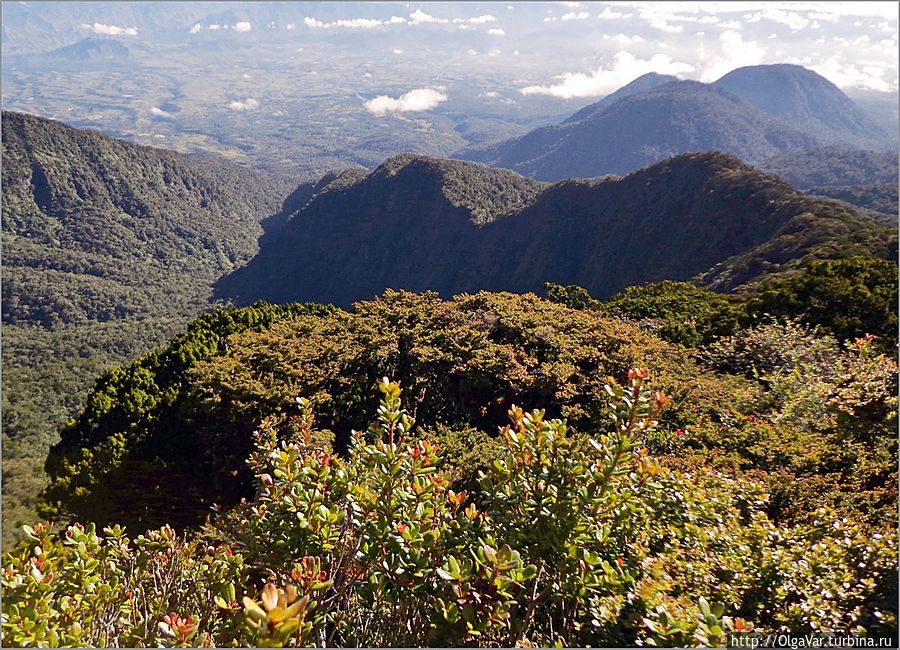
400, 227
643, 128
91, 49
866, 179
755, 113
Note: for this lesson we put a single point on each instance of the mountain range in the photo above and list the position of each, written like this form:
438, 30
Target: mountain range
108, 249
418, 223
755, 113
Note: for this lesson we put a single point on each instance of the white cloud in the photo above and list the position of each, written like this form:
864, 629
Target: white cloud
880, 9
471, 52
623, 40
734, 52
420, 99
659, 22
570, 5
624, 69
549, 19
848, 75
156, 111
609, 14
496, 32
248, 104
351, 23
216, 28
359, 23
792, 19
419, 17
396, 51
477, 20
824, 15
290, 26
490, 93
243, 26
196, 28
110, 30
581, 15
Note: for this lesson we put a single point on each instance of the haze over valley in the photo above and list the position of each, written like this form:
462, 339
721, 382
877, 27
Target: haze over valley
295, 87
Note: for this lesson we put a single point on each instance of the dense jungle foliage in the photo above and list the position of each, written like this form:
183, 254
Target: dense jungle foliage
778, 442
109, 249
420, 223
654, 522
847, 298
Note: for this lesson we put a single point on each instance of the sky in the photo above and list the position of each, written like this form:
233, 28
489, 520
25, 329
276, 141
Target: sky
853, 44
558, 50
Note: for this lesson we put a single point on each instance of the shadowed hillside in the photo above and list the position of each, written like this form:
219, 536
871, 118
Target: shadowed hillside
108, 249
417, 223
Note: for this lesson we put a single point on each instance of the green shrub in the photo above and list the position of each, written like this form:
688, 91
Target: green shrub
463, 362
848, 298
564, 542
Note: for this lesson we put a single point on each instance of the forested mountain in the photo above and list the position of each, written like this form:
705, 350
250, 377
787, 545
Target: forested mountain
807, 101
756, 113
108, 248
867, 179
643, 128
97, 229
416, 223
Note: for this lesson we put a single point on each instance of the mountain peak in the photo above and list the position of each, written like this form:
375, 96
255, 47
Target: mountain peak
804, 99
644, 82
644, 127
486, 192
427, 224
